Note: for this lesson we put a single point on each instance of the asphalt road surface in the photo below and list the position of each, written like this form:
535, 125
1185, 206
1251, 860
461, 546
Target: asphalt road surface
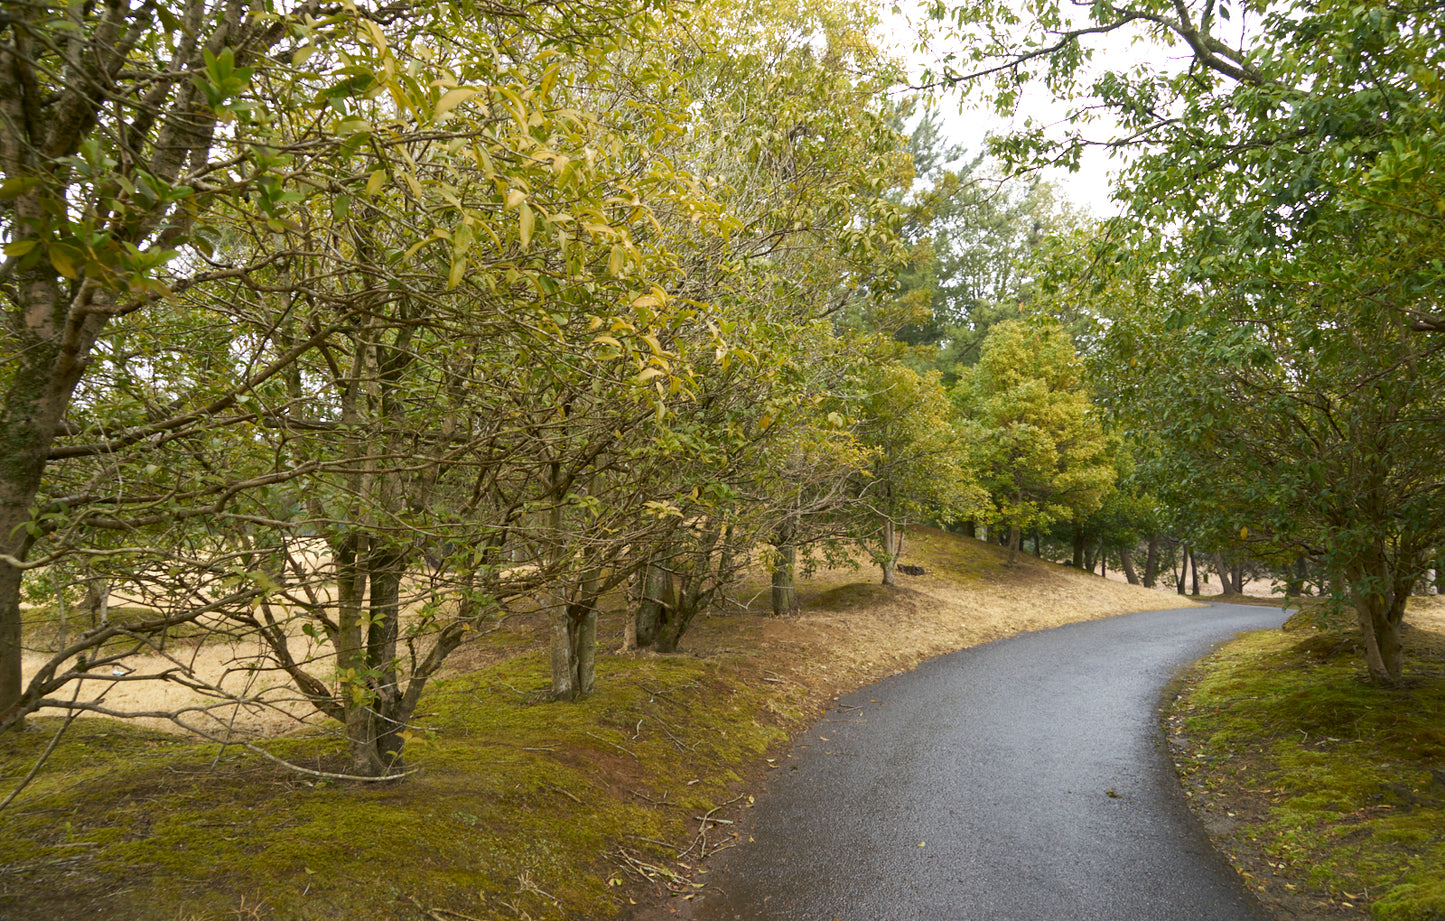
1024, 780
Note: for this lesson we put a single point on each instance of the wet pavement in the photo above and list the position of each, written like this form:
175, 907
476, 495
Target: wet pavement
1024, 780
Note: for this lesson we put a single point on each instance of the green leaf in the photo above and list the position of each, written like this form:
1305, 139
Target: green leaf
15, 186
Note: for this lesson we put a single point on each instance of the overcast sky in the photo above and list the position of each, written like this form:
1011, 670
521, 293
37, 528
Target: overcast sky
968, 125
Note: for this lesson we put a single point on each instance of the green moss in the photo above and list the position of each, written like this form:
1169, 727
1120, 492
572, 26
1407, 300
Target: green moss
1413, 901
514, 796
1347, 764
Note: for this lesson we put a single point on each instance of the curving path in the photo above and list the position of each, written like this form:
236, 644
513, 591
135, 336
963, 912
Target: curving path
1024, 780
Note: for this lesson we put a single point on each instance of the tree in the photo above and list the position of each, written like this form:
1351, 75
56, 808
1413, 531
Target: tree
246, 261
979, 235
789, 130
1301, 426
1035, 438
916, 466
125, 130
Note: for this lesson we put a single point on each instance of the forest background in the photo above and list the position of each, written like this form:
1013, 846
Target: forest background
352, 332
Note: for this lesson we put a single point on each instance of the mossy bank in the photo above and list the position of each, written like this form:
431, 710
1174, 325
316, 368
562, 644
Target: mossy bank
1327, 792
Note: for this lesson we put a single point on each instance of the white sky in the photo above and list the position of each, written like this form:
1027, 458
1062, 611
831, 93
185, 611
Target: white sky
1090, 186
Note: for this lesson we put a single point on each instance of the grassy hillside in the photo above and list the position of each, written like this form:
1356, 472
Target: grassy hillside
518, 807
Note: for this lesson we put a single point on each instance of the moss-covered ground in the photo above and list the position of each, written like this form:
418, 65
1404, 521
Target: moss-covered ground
518, 807
1328, 792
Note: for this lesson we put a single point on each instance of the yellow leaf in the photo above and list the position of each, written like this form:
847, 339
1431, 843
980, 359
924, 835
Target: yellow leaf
451, 99
462, 241
526, 223
374, 181
549, 77
378, 38
515, 197
484, 161
1244, 533
63, 259
647, 374
459, 270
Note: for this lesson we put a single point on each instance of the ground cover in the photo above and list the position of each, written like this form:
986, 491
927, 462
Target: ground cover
518, 807
1327, 792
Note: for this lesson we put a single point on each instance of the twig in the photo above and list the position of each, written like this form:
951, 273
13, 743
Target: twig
565, 793
44, 756
661, 696
616, 746
651, 871
643, 838
655, 802
702, 828
325, 775
436, 912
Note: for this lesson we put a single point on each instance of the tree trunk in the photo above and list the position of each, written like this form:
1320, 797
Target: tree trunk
1194, 568
696, 579
1295, 583
355, 692
1183, 569
785, 592
1038, 545
970, 528
574, 644
1079, 546
385, 568
656, 604
888, 560
1151, 562
52, 347
1380, 606
1126, 560
1380, 624
1225, 582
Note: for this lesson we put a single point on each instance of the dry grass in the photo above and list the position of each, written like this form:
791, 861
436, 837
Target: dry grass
853, 629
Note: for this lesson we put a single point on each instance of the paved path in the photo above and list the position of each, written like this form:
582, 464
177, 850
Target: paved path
1024, 780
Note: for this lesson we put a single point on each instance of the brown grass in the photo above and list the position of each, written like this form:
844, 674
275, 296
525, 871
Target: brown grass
853, 629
